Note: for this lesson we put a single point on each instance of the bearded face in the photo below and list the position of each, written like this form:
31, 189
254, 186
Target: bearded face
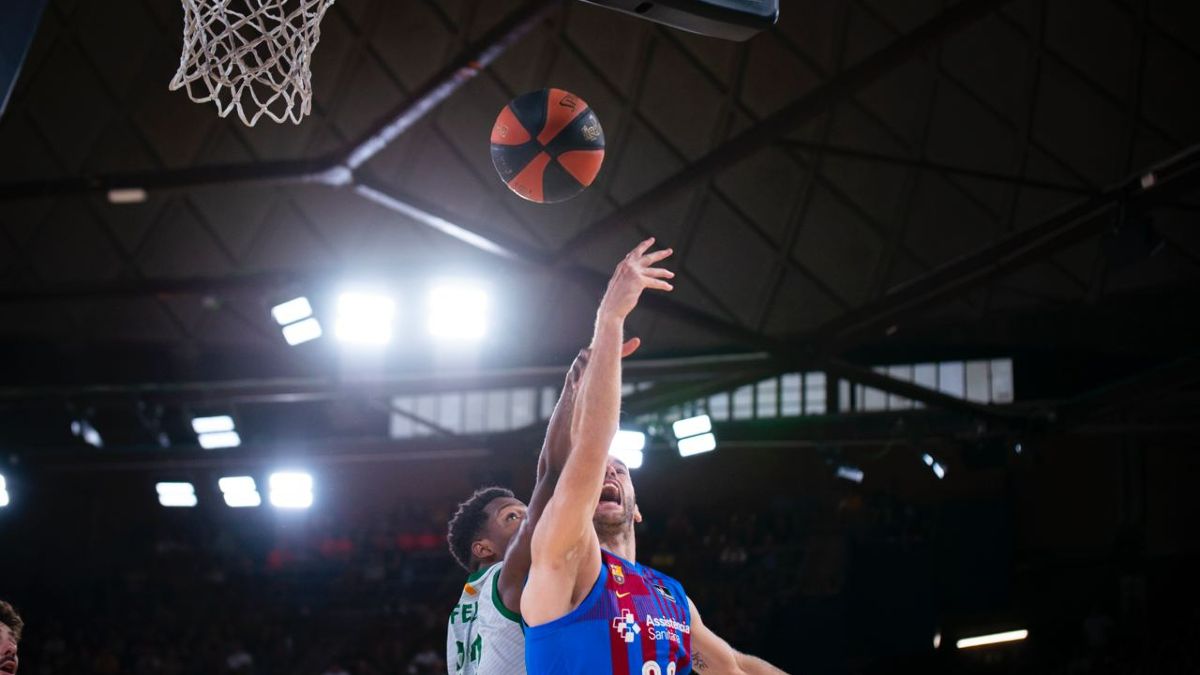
617, 507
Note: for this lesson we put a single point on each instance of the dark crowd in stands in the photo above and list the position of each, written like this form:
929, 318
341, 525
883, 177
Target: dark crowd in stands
368, 595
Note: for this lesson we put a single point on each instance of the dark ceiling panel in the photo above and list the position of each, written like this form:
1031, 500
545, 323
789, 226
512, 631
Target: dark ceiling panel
1106, 51
775, 76
767, 188
93, 100
839, 247
996, 62
1074, 122
182, 246
680, 104
1171, 99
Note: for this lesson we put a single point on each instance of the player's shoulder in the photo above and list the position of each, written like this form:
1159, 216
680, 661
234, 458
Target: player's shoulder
666, 584
654, 572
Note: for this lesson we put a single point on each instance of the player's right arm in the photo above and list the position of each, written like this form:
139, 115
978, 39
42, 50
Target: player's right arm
557, 447
565, 549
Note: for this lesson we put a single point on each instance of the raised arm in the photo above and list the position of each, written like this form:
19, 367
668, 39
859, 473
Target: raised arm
564, 537
712, 655
553, 456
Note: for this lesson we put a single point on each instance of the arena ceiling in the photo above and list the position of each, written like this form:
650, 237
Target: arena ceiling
868, 176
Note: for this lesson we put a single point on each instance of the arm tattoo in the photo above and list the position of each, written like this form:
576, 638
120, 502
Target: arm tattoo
698, 662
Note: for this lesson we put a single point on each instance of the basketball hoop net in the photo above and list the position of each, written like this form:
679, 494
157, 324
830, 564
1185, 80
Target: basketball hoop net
252, 56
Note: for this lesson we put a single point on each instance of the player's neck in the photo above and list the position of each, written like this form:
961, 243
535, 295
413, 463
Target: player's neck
482, 565
620, 541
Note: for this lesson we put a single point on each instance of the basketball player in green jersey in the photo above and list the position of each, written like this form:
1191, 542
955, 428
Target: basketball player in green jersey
490, 536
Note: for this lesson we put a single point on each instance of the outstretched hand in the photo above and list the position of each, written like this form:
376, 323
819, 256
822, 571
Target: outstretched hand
635, 273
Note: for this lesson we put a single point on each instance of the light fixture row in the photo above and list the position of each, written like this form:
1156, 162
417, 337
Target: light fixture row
693, 436
457, 311
288, 490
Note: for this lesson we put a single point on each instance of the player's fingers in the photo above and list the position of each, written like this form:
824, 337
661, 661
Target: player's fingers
641, 248
659, 284
659, 273
651, 258
631, 345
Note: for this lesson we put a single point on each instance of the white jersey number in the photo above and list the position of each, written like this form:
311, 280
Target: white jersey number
652, 668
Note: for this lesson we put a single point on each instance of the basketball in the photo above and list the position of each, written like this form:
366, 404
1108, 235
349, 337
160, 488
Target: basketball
547, 145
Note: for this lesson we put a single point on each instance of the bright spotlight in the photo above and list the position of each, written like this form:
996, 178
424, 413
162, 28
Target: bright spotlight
4, 500
937, 640
938, 469
176, 494
292, 311
126, 196
302, 331
364, 319
458, 310
210, 425
291, 490
84, 430
995, 638
692, 426
627, 446
850, 473
220, 439
239, 491
697, 445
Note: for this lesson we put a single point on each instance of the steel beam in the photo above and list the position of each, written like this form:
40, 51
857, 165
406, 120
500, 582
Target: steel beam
469, 63
334, 169
1158, 185
774, 126
938, 167
323, 170
1137, 389
292, 390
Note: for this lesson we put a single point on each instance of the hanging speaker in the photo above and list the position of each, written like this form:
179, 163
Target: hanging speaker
737, 20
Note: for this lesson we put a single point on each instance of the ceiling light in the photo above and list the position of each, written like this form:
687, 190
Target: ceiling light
176, 494
126, 196
291, 490
458, 310
692, 426
239, 491
697, 445
364, 318
627, 446
84, 430
850, 473
208, 425
301, 332
220, 439
291, 311
994, 638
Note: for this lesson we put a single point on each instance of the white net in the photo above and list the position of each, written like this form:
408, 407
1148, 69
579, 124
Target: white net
252, 56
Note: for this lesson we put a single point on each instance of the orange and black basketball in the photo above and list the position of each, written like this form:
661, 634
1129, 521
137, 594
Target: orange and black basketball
547, 145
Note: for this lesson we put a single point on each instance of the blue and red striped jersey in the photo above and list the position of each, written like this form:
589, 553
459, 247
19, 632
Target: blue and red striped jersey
635, 621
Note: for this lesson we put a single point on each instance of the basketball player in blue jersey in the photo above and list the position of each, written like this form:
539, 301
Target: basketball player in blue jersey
490, 537
590, 608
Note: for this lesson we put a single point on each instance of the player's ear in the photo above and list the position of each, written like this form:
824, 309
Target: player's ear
482, 548
637, 514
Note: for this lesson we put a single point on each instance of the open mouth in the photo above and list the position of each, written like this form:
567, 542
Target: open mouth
8, 666
610, 493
